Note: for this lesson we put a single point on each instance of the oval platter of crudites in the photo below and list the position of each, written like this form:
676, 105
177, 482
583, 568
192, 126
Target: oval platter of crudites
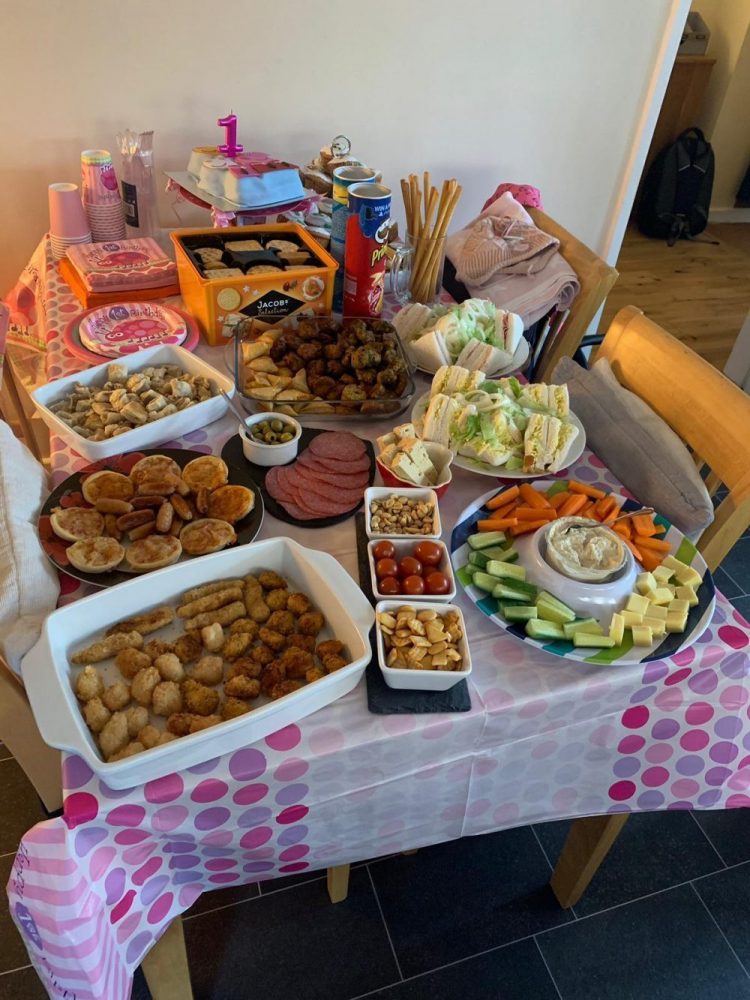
217, 504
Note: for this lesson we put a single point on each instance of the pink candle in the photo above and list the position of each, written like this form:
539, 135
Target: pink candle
231, 147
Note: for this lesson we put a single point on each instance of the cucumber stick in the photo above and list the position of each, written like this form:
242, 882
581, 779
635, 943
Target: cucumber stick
484, 539
514, 590
538, 629
505, 570
590, 625
520, 612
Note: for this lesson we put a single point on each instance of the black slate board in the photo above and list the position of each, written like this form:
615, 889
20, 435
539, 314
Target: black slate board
384, 700
70, 490
233, 454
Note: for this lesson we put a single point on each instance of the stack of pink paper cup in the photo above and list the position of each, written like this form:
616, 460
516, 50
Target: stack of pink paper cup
67, 220
101, 196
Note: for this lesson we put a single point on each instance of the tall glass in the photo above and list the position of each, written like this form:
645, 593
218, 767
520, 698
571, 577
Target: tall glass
417, 270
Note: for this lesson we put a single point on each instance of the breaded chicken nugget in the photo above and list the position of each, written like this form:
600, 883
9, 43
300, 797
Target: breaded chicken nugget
233, 707
89, 684
96, 714
276, 599
197, 722
104, 648
208, 670
245, 666
281, 621
299, 604
245, 625
114, 736
166, 699
285, 687
129, 751
236, 645
199, 699
330, 647
333, 662
296, 662
116, 696
310, 623
272, 675
272, 638
258, 610
130, 661
271, 581
314, 674
210, 602
262, 654
137, 718
169, 666
143, 685
223, 616
149, 736
149, 621
306, 642
242, 687
212, 636
188, 647
179, 724
156, 647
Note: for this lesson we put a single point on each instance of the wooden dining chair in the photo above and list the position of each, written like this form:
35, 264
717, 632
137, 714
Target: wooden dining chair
596, 276
711, 415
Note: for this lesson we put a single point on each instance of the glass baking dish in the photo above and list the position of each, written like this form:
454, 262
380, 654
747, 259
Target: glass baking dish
350, 368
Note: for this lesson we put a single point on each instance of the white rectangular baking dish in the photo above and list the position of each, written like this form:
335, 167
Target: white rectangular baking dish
149, 435
422, 680
47, 672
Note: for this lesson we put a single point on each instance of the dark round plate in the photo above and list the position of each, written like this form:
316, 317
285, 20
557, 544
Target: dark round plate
68, 494
233, 455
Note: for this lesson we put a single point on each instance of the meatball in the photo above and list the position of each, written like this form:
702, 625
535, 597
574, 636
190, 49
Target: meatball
316, 368
281, 621
353, 393
89, 684
262, 655
285, 687
149, 736
208, 670
276, 599
233, 707
310, 351
296, 662
310, 623
157, 647
114, 735
137, 717
272, 581
333, 662
272, 638
331, 647
143, 685
130, 661
366, 356
299, 604
314, 674
292, 361
212, 636
300, 641
259, 611
272, 675
199, 699
321, 385
236, 645
242, 687
244, 625
169, 666
188, 647
245, 667
307, 329
166, 698
96, 714
116, 696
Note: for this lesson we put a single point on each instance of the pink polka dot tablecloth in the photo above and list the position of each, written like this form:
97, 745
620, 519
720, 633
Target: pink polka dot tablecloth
545, 739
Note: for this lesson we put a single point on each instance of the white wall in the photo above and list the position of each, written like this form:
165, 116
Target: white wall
544, 92
728, 21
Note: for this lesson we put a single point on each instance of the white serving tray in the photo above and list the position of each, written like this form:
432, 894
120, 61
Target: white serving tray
404, 546
149, 435
47, 673
413, 493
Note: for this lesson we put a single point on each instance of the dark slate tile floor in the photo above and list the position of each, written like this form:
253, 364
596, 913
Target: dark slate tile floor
667, 916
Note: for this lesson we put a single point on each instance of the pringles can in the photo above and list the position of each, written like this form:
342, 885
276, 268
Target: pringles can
368, 225
343, 178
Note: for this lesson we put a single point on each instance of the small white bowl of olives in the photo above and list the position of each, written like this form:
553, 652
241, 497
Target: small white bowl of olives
270, 438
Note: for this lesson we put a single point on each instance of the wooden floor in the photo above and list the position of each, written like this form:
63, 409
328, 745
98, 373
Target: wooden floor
697, 291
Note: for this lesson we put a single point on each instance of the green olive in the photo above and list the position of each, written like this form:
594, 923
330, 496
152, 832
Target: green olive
277, 425
286, 437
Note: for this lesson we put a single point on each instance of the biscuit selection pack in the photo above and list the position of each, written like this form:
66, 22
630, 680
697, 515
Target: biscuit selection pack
263, 272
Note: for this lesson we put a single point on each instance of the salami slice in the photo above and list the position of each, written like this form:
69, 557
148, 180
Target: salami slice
337, 444
334, 496
352, 465
344, 480
274, 486
297, 512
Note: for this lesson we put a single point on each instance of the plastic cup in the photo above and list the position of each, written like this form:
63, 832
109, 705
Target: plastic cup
99, 179
66, 215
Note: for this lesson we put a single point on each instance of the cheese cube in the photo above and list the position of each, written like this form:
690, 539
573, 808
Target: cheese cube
631, 618
662, 595
638, 603
658, 626
678, 606
662, 574
676, 623
645, 582
617, 629
686, 594
642, 635
657, 611
685, 574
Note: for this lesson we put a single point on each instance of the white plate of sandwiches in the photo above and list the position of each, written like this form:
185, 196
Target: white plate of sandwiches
500, 427
213, 655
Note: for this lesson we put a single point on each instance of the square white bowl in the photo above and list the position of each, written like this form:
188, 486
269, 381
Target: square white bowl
48, 674
382, 492
404, 547
422, 680
148, 435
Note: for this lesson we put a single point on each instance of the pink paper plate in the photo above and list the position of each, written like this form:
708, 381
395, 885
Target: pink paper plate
72, 338
127, 327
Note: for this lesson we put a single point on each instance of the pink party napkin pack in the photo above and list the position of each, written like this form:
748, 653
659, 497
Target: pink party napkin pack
123, 265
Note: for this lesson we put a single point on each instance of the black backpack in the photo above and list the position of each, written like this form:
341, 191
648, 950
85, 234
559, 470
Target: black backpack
677, 189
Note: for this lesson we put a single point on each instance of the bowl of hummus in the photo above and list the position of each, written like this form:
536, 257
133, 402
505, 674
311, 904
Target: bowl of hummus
584, 550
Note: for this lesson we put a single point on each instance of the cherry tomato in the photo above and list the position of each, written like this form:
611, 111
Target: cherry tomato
413, 584
386, 567
437, 583
428, 553
389, 585
384, 550
409, 566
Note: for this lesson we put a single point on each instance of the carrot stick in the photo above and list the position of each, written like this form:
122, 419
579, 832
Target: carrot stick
636, 552
501, 499
622, 529
497, 523
572, 505
604, 506
657, 544
559, 499
643, 525
587, 507
532, 514
650, 560
659, 529
532, 497
584, 490
524, 527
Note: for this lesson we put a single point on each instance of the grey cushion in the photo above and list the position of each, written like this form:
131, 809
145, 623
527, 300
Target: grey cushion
637, 445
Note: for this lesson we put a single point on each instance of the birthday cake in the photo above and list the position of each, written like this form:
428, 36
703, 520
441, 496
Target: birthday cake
247, 180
